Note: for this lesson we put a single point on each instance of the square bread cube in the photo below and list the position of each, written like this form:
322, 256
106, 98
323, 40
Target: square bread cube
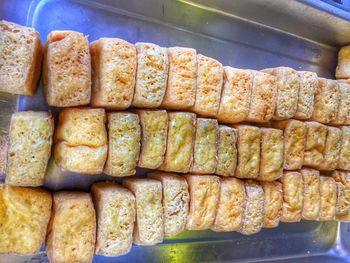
81, 140
204, 200
273, 203
181, 89
149, 226
263, 97
248, 148
154, 126
24, 217
308, 82
292, 185
344, 158
205, 146
227, 151
254, 211
312, 197
271, 154
287, 81
4, 144
342, 178
124, 136
343, 67
327, 98
176, 199
67, 69
30, 140
315, 144
113, 73
331, 150
343, 114
294, 136
180, 142
116, 214
230, 212
151, 75
328, 204
235, 97
209, 84
72, 230
21, 54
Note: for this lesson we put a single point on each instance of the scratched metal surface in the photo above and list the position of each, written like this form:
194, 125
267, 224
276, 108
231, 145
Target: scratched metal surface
247, 34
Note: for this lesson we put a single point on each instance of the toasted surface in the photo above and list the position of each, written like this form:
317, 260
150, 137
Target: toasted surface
180, 142
204, 200
181, 89
235, 97
315, 144
344, 158
248, 148
263, 97
116, 213
30, 140
331, 150
342, 178
20, 59
67, 69
154, 126
152, 75
271, 156
124, 132
273, 203
176, 200
254, 208
308, 82
312, 197
72, 229
328, 204
227, 151
24, 216
205, 146
343, 68
149, 227
292, 185
209, 85
343, 113
230, 211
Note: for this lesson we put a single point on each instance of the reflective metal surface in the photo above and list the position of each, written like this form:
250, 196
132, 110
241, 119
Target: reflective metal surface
246, 34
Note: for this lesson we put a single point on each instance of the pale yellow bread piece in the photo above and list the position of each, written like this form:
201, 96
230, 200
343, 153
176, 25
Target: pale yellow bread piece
344, 158
4, 144
292, 185
149, 227
20, 58
312, 197
209, 86
342, 178
176, 199
235, 97
30, 140
154, 126
331, 150
204, 200
343, 113
271, 154
113, 73
116, 214
273, 203
24, 217
124, 132
67, 69
263, 97
227, 151
205, 146
72, 230
315, 144
328, 204
230, 212
180, 142
181, 89
343, 67
308, 82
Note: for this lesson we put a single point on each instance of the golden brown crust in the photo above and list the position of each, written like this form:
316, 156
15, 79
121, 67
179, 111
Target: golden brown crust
331, 150
344, 158
343, 113
292, 184
308, 83
342, 179
273, 203
312, 197
227, 151
315, 143
343, 68
328, 191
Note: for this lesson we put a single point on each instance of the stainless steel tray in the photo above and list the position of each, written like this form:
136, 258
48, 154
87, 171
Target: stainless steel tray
247, 34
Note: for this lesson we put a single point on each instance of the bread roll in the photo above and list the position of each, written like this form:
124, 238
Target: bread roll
273, 203
315, 144
181, 89
24, 216
328, 205
67, 69
312, 197
344, 158
235, 97
209, 85
343, 113
308, 82
21, 53
292, 185
331, 150
29, 150
342, 179
124, 134
114, 71
149, 227
116, 213
343, 68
